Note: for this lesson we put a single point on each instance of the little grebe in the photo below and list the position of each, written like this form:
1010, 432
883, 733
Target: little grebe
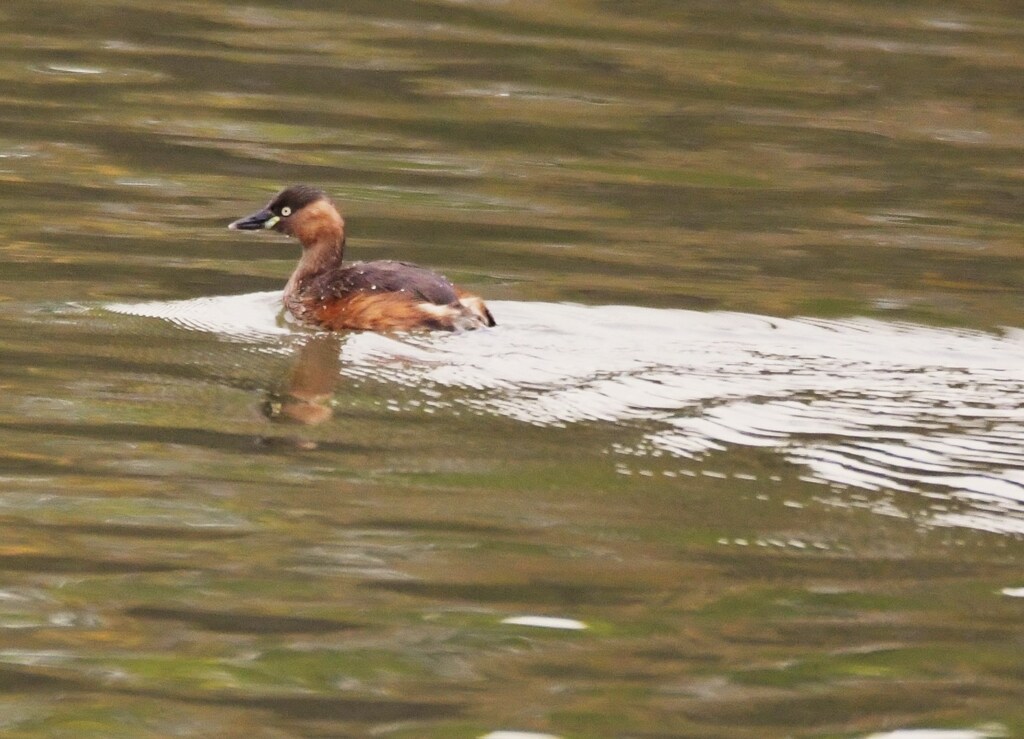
375, 296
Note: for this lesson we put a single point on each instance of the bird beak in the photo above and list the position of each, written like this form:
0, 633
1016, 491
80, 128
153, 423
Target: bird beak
259, 220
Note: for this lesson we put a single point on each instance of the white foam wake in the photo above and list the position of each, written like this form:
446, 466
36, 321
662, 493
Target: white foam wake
858, 402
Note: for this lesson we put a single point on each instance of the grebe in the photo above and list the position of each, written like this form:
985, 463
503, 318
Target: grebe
372, 296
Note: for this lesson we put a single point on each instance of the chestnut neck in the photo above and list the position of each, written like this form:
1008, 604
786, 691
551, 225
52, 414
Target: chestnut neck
321, 231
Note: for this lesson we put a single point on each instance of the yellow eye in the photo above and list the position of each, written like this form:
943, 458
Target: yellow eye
286, 211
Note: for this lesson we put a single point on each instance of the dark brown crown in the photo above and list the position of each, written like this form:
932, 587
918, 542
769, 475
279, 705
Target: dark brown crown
295, 197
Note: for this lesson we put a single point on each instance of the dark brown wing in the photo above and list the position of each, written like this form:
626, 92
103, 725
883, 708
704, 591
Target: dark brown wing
387, 296
387, 277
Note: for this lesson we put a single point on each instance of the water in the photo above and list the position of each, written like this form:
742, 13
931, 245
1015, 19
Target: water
863, 404
742, 457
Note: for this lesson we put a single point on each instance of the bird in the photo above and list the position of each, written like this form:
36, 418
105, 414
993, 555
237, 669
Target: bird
382, 295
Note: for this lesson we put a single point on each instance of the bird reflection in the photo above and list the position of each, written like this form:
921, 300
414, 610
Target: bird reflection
305, 397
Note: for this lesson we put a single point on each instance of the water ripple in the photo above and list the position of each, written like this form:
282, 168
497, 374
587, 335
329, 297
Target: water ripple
858, 403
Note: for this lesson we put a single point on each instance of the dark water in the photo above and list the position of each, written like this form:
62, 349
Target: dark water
743, 458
